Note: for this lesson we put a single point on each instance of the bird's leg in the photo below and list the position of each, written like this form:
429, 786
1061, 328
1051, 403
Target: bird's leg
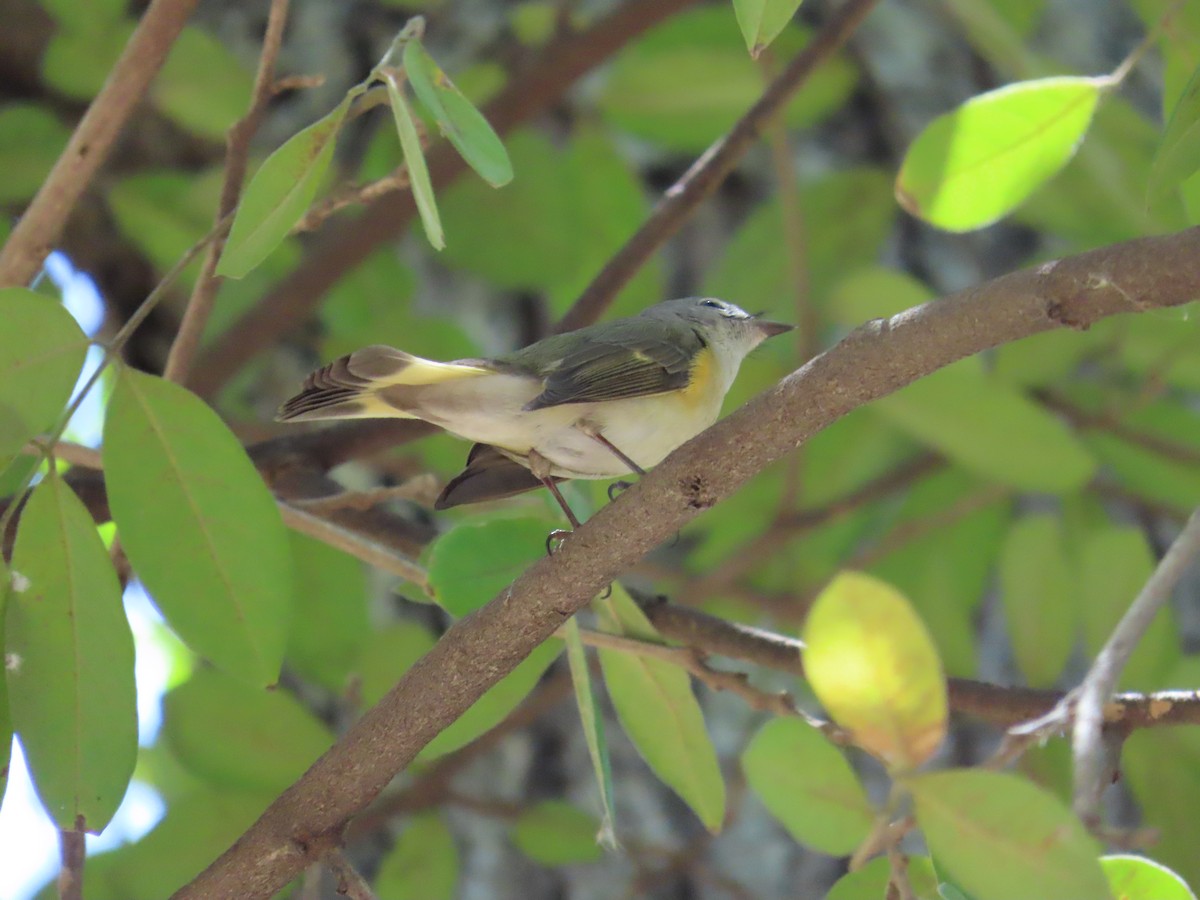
540, 467
617, 486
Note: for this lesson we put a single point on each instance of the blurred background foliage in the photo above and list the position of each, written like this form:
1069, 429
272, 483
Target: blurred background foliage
1038, 484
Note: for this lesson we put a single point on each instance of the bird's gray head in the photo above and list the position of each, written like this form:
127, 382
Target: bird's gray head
719, 321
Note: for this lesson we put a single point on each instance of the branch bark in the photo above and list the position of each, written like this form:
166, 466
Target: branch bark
42, 223
874, 360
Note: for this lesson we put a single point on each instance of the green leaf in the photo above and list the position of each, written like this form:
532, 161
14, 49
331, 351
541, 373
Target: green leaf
990, 428
31, 138
1037, 585
593, 729
208, 105
871, 881
77, 62
494, 706
1001, 837
462, 124
267, 738
872, 664
41, 353
1178, 155
658, 710
807, 784
85, 17
418, 172
6, 722
198, 524
70, 662
195, 830
389, 653
686, 81
475, 561
555, 833
1115, 563
972, 166
761, 21
423, 864
279, 194
1138, 878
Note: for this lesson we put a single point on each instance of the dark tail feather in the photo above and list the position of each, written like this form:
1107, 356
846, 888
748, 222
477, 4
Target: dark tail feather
489, 475
345, 388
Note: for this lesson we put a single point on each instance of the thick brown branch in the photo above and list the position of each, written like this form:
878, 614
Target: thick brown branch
876, 359
530, 92
40, 226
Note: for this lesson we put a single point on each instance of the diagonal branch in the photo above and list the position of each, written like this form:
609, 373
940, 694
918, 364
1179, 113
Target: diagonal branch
876, 359
39, 227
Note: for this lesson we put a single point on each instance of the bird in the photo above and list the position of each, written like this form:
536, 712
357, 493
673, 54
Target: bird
604, 401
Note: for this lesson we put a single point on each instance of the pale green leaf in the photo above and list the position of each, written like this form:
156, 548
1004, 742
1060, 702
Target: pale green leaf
279, 194
807, 784
1001, 837
198, 524
70, 662
872, 664
658, 710
462, 124
207, 105
422, 865
974, 165
387, 654
475, 561
414, 159
761, 21
593, 729
555, 833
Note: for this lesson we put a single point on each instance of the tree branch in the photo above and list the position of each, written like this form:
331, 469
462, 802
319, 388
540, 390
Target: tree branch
352, 241
42, 223
876, 359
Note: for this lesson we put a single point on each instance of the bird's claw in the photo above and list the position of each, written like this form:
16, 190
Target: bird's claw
556, 539
617, 488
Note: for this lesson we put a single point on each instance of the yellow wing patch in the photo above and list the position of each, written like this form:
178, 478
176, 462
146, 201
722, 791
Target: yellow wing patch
426, 371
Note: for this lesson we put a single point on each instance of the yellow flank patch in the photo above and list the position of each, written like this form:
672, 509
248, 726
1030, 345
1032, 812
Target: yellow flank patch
426, 371
702, 379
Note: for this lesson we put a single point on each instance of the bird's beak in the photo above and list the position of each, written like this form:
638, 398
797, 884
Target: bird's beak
769, 329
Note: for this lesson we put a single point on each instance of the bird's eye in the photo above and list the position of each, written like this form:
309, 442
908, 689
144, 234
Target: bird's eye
715, 304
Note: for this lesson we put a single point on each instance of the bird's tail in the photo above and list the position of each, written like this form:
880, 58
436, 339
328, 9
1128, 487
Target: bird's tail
355, 386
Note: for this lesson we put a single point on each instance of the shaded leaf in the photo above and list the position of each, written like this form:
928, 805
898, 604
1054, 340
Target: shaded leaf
555, 833
422, 865
414, 159
808, 785
70, 662
6, 723
1138, 878
475, 561
872, 664
77, 61
387, 654
206, 105
1178, 154
198, 524
31, 138
462, 124
659, 712
279, 194
761, 21
1001, 837
974, 165
592, 721
988, 427
1037, 586
41, 354
267, 738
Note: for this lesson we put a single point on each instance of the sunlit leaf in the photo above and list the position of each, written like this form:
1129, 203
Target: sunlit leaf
279, 194
198, 524
423, 863
872, 664
972, 166
473, 562
1037, 585
267, 738
761, 21
659, 712
1138, 878
414, 159
464, 125
808, 785
1001, 837
555, 833
70, 662
31, 138
41, 353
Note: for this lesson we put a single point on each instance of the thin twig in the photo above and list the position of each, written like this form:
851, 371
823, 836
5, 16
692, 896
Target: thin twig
67, 451
355, 544
349, 882
237, 155
73, 847
1101, 679
707, 172
39, 228
421, 488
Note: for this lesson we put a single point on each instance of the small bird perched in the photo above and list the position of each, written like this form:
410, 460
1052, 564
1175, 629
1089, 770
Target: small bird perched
601, 402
